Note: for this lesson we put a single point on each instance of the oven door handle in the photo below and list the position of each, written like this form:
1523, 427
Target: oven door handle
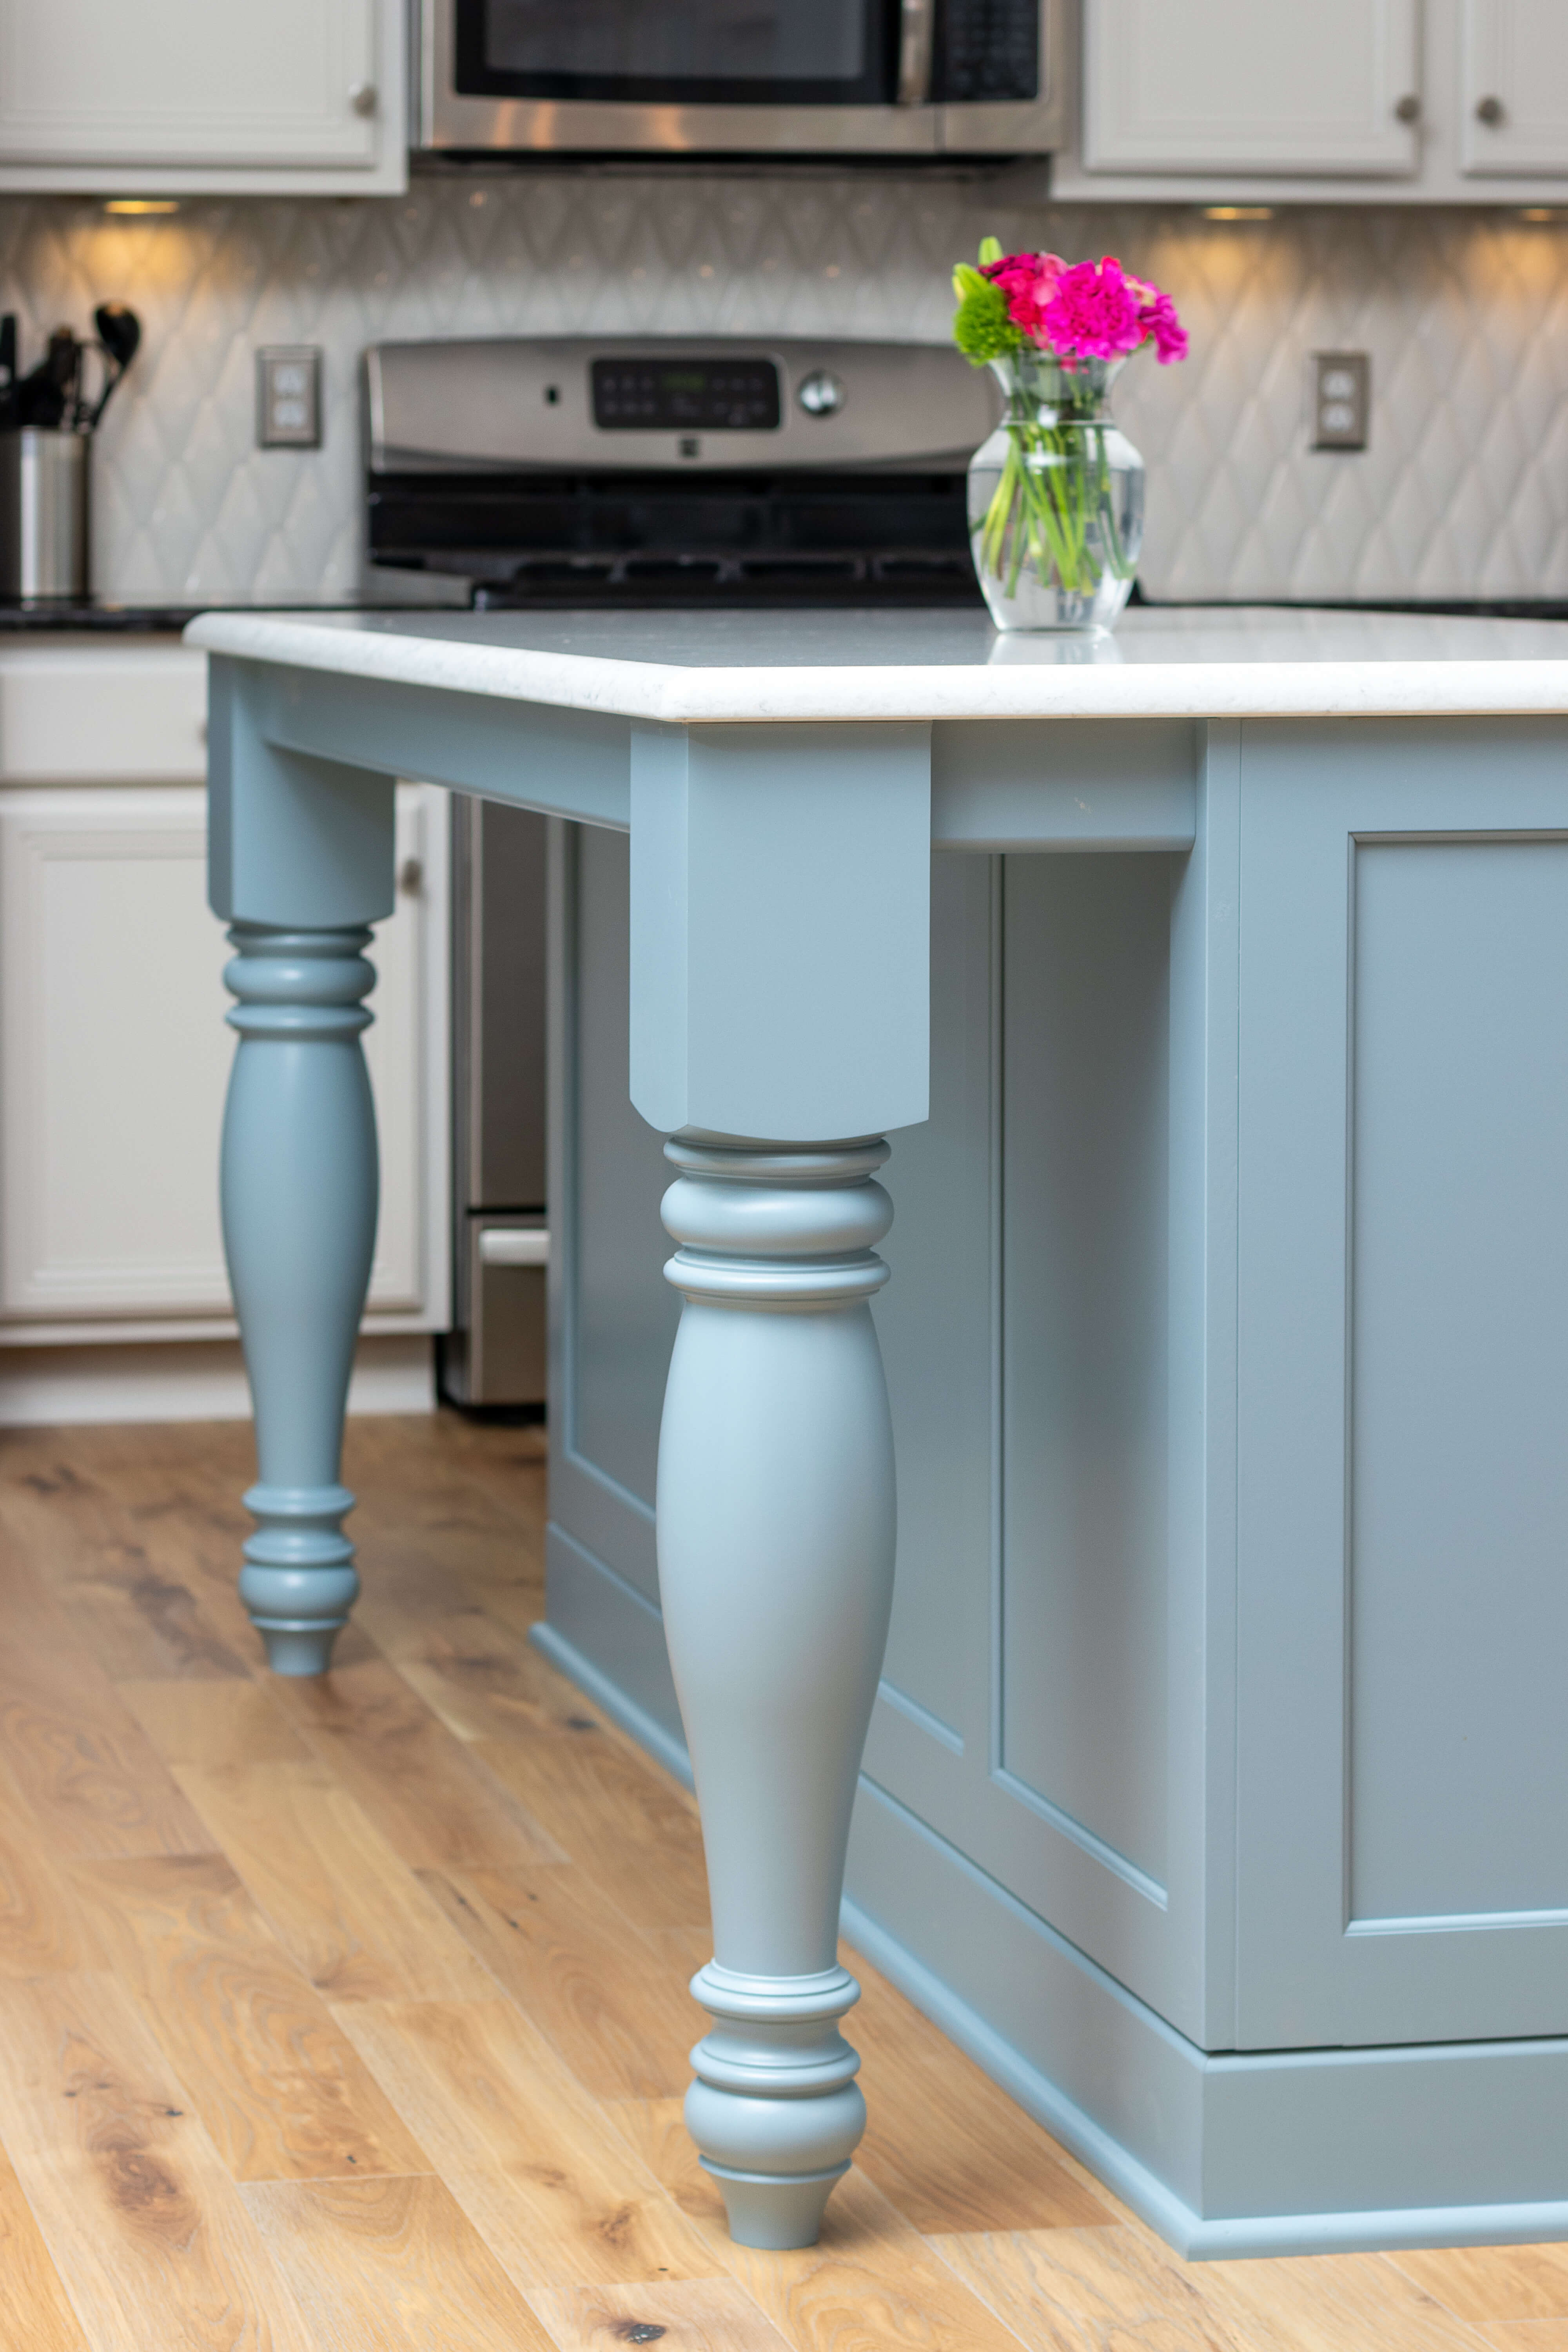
915, 29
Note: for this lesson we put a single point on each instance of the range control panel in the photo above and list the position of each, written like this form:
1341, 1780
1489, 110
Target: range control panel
573, 403
686, 395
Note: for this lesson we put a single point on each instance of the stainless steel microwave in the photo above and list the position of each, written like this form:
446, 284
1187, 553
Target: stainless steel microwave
764, 78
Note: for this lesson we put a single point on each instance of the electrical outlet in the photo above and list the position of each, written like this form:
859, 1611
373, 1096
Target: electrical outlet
288, 397
1341, 399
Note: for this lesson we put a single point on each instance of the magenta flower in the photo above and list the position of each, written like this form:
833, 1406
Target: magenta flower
1085, 310
1028, 281
1158, 314
1093, 314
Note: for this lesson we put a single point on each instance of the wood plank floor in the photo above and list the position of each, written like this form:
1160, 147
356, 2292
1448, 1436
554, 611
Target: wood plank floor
352, 2018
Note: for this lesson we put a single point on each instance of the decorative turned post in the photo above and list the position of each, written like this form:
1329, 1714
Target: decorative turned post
300, 1184
776, 1550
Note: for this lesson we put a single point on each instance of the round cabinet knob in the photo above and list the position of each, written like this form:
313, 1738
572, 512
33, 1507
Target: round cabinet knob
363, 97
1408, 108
1491, 112
821, 392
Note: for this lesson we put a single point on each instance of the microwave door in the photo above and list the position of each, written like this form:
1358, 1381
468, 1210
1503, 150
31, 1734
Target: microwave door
688, 53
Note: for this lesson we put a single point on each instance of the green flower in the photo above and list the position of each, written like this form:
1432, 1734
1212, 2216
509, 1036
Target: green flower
981, 327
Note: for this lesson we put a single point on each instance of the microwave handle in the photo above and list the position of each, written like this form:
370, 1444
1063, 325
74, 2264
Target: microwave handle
915, 51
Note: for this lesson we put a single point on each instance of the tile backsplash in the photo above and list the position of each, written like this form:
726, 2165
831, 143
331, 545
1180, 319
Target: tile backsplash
1463, 492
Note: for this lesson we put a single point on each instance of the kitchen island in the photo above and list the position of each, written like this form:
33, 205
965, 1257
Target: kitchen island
1211, 980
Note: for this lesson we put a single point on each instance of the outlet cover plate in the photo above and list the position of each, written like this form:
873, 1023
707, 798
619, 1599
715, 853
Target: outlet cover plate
1341, 399
288, 397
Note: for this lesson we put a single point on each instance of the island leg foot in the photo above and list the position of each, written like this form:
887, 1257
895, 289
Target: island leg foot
775, 1548
298, 1216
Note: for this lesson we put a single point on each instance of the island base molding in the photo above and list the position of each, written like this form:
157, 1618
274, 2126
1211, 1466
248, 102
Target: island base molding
1230, 2156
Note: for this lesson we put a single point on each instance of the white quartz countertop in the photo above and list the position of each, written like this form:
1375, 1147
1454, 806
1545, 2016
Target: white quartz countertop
1219, 663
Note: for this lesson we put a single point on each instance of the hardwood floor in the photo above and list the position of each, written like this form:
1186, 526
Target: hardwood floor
352, 2018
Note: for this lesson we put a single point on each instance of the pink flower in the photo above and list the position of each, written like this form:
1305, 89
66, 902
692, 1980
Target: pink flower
1092, 313
1170, 335
1158, 314
1028, 281
1090, 310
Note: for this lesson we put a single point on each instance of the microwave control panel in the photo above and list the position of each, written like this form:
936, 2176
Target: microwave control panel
987, 51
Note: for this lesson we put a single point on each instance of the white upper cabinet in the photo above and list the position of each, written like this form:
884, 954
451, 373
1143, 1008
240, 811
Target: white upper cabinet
1514, 88
1217, 87
192, 94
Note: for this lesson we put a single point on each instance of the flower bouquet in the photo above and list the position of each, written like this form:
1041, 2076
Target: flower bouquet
1056, 495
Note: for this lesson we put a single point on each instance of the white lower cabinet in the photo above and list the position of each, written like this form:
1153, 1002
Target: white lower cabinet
114, 1057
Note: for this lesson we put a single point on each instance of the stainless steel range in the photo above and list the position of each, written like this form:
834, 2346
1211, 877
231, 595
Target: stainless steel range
697, 472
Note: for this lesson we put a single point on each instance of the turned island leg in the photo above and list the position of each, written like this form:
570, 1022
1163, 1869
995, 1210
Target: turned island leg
780, 957
775, 1551
299, 867
299, 1190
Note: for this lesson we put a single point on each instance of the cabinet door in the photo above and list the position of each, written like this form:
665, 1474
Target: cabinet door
114, 1059
1514, 88
1401, 1486
1266, 86
183, 82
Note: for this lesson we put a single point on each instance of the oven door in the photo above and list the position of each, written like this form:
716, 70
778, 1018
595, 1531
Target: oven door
616, 76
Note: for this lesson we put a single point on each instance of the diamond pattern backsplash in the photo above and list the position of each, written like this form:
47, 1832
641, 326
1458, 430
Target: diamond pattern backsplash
1463, 492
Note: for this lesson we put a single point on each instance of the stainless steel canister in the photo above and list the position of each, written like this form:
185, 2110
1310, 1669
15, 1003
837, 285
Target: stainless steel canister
43, 514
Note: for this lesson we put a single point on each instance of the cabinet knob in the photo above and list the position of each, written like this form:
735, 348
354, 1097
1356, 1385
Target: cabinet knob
1491, 112
1408, 108
363, 97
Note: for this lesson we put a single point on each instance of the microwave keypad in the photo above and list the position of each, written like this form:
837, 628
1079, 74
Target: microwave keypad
989, 50
686, 395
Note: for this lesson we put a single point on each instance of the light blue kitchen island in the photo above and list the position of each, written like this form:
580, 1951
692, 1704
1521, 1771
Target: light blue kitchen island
1211, 981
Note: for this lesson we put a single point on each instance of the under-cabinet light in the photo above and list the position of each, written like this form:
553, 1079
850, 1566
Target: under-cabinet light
141, 204
1238, 212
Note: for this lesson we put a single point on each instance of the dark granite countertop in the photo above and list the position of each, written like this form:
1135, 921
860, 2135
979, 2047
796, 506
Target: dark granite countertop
144, 620
140, 618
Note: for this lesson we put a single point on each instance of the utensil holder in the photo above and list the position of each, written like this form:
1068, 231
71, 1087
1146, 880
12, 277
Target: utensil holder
43, 514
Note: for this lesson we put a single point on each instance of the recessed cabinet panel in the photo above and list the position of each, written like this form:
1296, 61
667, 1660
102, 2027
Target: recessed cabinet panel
183, 82
1514, 94
1403, 1350
1086, 1412
1216, 86
114, 1059
1460, 1477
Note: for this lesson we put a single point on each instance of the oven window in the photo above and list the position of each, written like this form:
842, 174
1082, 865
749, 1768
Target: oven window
680, 52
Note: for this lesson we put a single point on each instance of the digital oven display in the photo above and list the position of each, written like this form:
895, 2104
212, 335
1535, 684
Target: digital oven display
686, 395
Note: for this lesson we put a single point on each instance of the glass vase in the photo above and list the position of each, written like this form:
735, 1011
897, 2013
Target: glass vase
1056, 498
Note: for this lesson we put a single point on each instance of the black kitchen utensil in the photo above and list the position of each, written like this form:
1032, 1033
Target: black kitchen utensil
54, 395
118, 330
43, 396
118, 338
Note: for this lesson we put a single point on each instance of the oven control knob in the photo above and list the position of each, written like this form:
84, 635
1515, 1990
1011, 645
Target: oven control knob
821, 392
